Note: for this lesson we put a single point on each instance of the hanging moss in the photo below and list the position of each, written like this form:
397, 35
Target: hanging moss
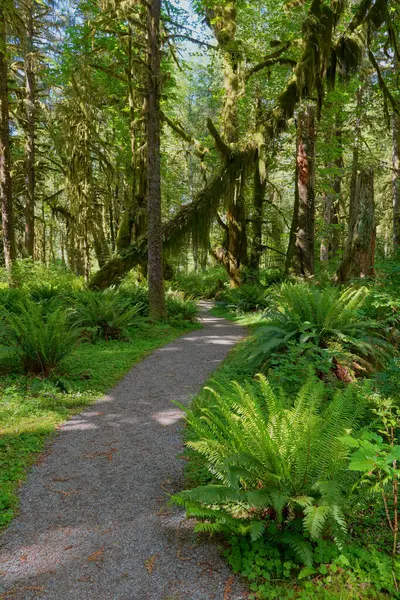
378, 13
349, 53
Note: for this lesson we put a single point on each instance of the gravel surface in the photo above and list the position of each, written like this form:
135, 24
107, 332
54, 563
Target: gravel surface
94, 521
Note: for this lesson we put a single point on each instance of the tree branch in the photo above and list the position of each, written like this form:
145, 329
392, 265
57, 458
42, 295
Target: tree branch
221, 146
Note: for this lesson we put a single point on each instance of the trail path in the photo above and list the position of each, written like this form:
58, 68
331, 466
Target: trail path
94, 521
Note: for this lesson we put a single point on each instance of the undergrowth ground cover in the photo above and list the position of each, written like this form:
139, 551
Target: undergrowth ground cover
34, 399
292, 446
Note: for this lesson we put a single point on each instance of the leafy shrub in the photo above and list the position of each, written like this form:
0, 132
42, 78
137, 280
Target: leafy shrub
247, 298
270, 276
11, 298
288, 369
41, 337
135, 294
27, 273
179, 307
47, 292
328, 318
279, 471
351, 574
204, 284
106, 314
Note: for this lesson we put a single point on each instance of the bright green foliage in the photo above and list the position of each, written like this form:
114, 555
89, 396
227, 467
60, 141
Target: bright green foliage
278, 468
106, 314
180, 308
201, 285
328, 318
351, 574
41, 337
29, 274
376, 456
247, 298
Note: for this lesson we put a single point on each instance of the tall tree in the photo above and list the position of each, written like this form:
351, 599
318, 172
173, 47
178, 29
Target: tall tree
157, 305
7, 217
302, 240
359, 253
29, 8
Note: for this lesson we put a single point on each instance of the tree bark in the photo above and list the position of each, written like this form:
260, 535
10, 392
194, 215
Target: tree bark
30, 115
396, 181
221, 18
359, 254
305, 176
157, 307
330, 240
5, 158
258, 200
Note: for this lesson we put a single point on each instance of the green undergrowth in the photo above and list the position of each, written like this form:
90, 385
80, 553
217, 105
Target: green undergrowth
361, 568
31, 408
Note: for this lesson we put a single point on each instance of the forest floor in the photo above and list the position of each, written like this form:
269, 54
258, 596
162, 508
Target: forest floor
94, 519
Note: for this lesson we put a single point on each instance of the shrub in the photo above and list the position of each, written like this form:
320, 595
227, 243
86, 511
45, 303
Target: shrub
278, 471
11, 298
205, 284
106, 314
327, 318
41, 337
27, 273
247, 298
135, 294
179, 307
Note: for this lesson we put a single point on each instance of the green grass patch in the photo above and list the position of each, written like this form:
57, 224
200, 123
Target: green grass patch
31, 408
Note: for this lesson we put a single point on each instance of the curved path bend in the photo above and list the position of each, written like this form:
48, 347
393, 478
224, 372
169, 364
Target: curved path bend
94, 521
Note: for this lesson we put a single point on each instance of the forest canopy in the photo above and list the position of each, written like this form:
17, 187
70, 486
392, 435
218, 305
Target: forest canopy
229, 132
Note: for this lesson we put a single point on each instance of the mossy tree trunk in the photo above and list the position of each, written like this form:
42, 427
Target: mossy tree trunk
7, 217
359, 254
305, 178
396, 181
222, 20
157, 306
331, 202
30, 126
258, 202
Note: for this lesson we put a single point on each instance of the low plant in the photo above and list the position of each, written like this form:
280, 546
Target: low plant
247, 298
327, 318
135, 294
205, 284
278, 469
41, 337
179, 307
105, 314
376, 456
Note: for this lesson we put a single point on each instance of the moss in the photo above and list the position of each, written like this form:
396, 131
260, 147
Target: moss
349, 53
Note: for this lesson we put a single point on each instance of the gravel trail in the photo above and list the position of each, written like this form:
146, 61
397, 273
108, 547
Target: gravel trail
94, 521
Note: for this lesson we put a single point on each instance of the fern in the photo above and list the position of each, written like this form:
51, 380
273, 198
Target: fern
41, 336
106, 314
330, 318
273, 464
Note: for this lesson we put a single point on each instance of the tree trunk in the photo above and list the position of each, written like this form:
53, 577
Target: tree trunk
258, 200
305, 176
5, 159
359, 254
30, 115
157, 308
222, 19
293, 227
396, 181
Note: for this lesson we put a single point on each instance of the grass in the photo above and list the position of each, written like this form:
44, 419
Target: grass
32, 408
247, 320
